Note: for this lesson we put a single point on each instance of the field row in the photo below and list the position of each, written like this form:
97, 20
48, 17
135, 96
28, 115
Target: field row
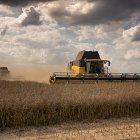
34, 104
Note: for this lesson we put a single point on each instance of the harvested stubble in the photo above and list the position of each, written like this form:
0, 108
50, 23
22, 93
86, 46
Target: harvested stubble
33, 104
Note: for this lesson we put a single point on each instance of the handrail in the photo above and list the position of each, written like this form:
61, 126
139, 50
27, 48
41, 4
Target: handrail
102, 60
96, 74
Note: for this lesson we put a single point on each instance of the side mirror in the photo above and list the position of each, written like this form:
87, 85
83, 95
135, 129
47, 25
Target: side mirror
109, 63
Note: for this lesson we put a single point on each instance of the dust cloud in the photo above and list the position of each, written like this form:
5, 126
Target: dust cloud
32, 72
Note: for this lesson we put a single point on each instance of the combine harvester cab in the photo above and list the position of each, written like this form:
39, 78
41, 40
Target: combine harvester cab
89, 67
4, 73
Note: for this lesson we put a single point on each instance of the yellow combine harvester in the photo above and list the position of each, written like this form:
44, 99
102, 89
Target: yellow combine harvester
89, 67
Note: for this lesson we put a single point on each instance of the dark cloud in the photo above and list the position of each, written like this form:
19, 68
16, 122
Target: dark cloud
104, 11
15, 3
132, 34
30, 17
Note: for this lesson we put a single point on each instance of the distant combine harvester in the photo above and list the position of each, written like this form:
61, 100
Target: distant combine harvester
4, 72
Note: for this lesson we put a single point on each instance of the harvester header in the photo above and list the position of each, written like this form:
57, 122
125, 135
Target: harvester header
88, 67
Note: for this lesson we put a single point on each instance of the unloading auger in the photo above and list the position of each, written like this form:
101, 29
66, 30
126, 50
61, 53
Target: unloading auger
89, 67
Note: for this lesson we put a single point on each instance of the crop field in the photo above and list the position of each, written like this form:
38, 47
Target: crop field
26, 103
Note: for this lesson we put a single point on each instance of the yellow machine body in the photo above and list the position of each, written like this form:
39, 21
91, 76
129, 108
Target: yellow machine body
78, 70
93, 63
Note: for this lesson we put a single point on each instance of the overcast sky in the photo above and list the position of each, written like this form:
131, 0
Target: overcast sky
50, 33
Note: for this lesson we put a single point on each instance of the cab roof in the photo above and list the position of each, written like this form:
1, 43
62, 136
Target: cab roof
88, 55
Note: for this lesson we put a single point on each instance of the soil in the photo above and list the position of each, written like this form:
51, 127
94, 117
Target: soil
116, 129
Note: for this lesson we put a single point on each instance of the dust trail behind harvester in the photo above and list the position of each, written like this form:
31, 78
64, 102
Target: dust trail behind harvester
38, 73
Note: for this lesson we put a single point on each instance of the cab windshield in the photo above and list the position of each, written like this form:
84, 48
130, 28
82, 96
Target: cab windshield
94, 67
